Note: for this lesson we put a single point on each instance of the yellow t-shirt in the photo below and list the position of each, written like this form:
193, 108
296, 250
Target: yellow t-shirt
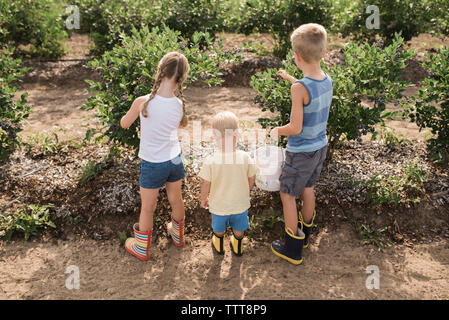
228, 174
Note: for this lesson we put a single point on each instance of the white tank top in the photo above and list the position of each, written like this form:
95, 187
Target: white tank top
159, 131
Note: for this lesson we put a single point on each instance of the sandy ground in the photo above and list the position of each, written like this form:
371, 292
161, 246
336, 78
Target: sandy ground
56, 105
334, 267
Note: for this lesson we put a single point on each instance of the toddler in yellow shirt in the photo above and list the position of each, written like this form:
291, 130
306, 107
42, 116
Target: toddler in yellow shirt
226, 180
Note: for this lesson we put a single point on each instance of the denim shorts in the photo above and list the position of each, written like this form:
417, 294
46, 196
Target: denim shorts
238, 222
154, 175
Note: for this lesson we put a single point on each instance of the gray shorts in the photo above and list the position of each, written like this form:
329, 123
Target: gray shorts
301, 170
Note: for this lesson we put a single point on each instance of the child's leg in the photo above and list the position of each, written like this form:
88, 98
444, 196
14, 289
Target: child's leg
238, 234
290, 211
239, 223
176, 226
174, 194
219, 226
236, 242
291, 248
139, 245
149, 202
308, 205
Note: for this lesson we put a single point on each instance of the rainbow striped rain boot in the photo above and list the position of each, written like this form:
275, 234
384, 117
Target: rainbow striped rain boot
218, 244
176, 231
139, 245
306, 228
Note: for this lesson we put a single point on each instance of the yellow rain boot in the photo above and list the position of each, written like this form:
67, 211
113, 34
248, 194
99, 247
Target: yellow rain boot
217, 243
236, 245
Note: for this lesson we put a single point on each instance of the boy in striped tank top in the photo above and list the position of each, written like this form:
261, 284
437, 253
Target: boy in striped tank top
307, 140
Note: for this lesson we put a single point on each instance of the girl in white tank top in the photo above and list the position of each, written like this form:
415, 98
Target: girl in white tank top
161, 114
159, 130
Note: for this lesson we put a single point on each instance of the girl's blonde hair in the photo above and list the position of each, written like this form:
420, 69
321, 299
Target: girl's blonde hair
172, 65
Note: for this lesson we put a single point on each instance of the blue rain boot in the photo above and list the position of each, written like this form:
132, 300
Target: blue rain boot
306, 228
291, 249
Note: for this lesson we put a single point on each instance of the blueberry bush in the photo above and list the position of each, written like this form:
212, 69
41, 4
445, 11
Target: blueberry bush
90, 14
128, 71
440, 16
407, 17
369, 79
253, 16
190, 16
34, 28
12, 114
342, 12
431, 108
280, 18
107, 21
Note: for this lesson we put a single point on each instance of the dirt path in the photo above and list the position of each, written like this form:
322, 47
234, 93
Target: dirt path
334, 268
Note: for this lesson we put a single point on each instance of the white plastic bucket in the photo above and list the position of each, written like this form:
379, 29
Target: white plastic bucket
269, 161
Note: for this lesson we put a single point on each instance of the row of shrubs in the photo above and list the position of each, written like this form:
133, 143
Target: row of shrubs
371, 72
128, 71
104, 20
39, 26
345, 17
34, 28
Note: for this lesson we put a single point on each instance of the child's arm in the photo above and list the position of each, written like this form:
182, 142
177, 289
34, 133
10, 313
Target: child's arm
251, 181
133, 112
205, 188
284, 75
294, 127
251, 172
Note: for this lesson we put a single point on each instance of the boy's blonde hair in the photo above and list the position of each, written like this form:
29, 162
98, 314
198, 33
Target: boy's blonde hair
225, 123
309, 41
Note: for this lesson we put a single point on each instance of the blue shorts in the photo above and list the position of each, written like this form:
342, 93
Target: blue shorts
238, 222
154, 175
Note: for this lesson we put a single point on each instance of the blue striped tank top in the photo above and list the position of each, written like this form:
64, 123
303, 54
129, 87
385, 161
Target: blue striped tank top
316, 112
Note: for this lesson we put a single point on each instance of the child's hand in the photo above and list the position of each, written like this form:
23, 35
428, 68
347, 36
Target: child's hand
205, 203
285, 76
274, 134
